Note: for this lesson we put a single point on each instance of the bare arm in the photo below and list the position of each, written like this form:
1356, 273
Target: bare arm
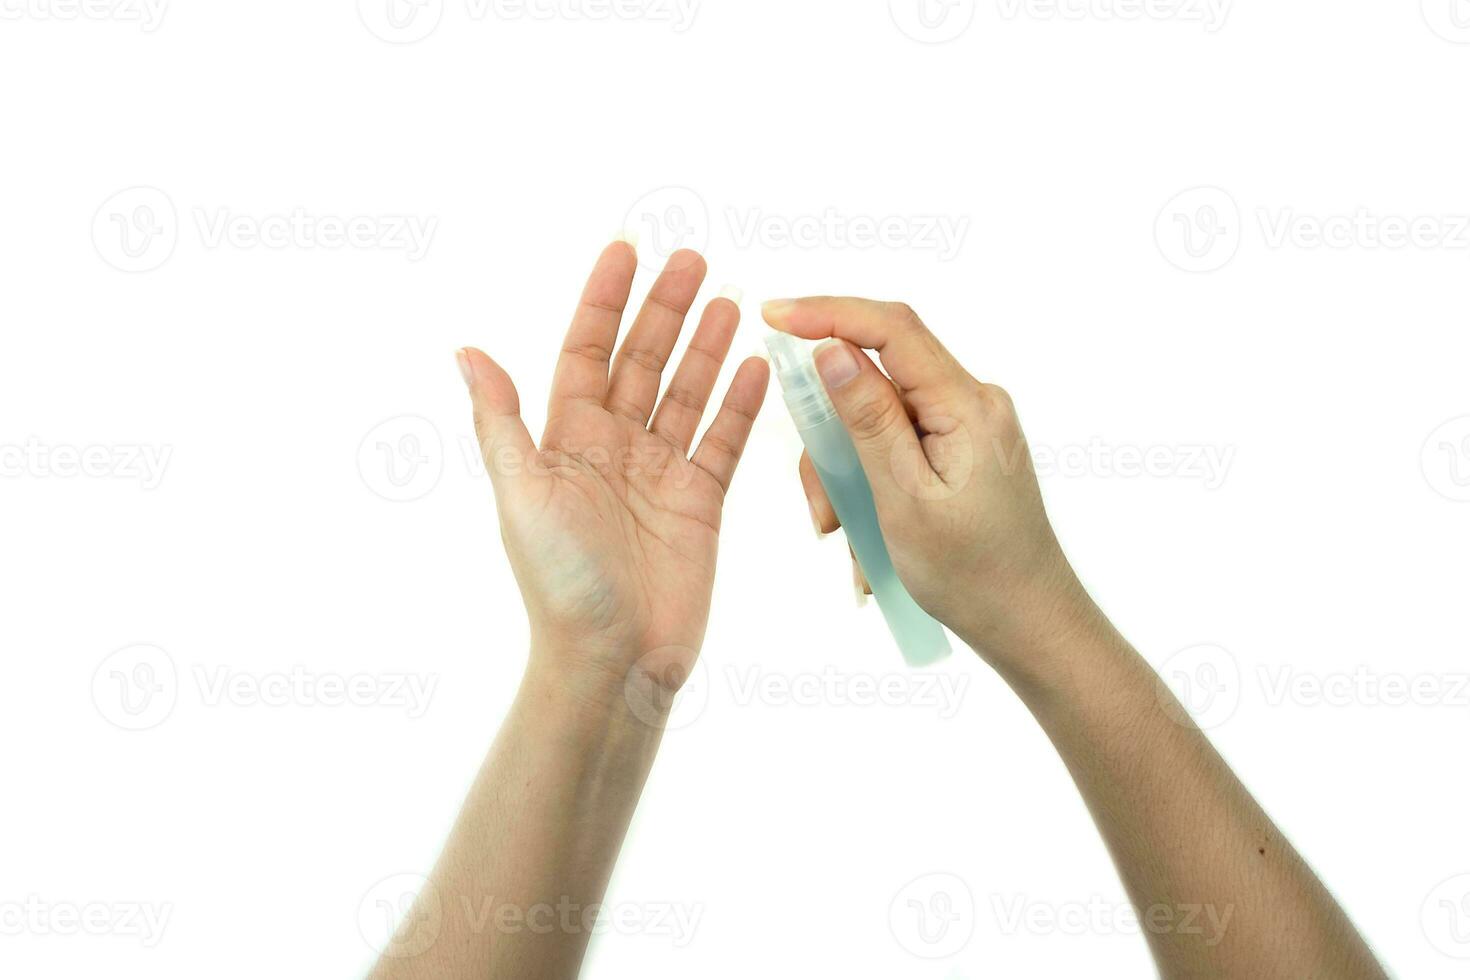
961, 511
612, 528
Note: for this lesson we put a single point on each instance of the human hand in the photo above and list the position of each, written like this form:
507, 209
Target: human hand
952, 478
611, 528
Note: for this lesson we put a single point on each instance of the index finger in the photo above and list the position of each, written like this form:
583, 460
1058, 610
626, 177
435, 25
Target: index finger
911, 355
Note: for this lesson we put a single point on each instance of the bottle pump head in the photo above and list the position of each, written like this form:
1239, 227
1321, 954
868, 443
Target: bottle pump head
806, 397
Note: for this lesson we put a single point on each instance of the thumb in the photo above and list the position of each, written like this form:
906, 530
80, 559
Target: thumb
505, 444
871, 409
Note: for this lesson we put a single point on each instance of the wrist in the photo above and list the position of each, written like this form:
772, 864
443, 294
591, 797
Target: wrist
594, 692
1038, 635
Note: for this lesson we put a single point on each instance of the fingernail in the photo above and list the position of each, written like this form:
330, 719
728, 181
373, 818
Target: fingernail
463, 360
629, 235
776, 308
835, 363
857, 586
733, 293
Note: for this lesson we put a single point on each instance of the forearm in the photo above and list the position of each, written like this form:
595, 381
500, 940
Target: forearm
1219, 893
517, 887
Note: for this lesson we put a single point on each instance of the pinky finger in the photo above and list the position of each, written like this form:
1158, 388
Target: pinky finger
719, 451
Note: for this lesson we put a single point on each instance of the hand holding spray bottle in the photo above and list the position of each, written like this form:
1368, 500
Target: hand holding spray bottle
919, 636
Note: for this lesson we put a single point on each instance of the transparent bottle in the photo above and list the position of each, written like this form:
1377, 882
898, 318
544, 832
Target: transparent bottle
919, 636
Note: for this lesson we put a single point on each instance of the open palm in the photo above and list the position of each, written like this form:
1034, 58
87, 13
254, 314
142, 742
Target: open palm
611, 527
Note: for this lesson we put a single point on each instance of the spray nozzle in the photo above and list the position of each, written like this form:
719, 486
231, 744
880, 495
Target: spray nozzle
806, 397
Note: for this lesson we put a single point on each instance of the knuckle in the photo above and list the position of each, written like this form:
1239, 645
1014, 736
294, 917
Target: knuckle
872, 417
903, 315
997, 399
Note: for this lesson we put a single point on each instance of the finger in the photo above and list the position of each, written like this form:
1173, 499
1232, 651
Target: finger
860, 587
678, 415
505, 443
874, 414
824, 518
641, 359
913, 357
719, 451
581, 370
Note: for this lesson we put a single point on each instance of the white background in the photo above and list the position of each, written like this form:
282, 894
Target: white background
318, 512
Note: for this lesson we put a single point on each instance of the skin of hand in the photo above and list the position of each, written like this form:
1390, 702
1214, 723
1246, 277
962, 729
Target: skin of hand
961, 513
610, 526
611, 529
948, 463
